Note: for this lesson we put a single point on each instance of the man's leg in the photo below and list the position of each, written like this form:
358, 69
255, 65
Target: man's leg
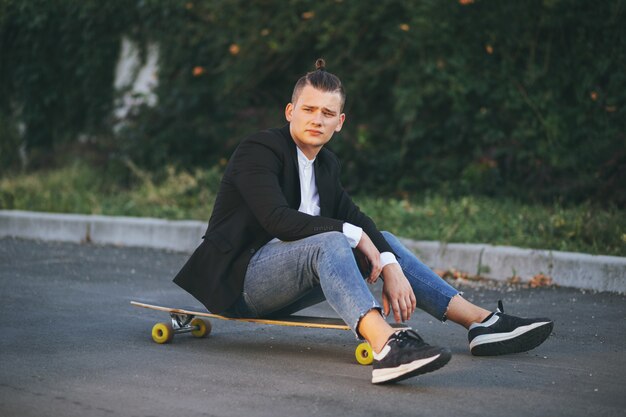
282, 275
433, 294
489, 333
285, 276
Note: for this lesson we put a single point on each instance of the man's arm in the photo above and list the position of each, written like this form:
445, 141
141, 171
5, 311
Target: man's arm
348, 211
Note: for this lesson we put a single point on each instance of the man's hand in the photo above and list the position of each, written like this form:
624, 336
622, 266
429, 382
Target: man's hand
397, 293
367, 248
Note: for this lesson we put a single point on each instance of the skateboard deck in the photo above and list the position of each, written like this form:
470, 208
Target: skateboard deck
186, 320
297, 321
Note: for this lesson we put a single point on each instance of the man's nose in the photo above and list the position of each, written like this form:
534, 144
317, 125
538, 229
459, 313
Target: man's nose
317, 119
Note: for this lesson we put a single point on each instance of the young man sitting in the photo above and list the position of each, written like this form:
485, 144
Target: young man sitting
281, 238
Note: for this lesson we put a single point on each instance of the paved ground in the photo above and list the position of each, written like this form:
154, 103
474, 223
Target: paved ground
72, 345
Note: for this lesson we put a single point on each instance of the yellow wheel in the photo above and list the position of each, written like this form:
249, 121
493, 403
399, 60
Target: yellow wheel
203, 328
162, 333
363, 354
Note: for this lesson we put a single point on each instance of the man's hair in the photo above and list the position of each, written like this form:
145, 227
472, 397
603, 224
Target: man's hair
320, 80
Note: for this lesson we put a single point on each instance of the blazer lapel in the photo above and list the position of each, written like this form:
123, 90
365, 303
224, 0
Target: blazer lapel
292, 193
324, 183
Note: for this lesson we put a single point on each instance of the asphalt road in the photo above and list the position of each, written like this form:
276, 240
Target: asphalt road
71, 345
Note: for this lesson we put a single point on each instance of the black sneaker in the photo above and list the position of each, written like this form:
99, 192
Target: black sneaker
405, 355
500, 334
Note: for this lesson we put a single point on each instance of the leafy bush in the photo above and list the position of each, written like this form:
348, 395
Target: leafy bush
57, 69
523, 99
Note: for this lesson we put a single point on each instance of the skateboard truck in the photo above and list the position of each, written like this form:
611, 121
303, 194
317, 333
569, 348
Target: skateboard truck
180, 323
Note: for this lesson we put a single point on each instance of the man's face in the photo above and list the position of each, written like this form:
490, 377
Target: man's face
314, 117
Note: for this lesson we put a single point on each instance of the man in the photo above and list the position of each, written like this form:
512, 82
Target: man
282, 234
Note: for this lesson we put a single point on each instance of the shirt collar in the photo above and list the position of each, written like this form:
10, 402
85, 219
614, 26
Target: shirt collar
303, 160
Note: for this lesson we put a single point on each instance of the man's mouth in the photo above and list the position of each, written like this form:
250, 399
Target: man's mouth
314, 132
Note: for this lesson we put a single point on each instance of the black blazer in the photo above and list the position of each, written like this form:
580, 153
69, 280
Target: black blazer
258, 200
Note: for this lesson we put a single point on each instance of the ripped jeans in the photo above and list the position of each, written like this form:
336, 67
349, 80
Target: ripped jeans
285, 277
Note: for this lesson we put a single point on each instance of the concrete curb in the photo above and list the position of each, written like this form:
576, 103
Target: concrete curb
568, 269
182, 236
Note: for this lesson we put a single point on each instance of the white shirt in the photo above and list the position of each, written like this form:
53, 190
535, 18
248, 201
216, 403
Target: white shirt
310, 204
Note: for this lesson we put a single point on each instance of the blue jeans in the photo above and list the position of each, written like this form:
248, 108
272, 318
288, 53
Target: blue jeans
285, 277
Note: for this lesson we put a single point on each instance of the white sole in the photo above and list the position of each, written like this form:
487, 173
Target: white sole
501, 337
387, 374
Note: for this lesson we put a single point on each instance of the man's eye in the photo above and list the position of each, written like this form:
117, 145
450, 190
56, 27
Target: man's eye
328, 114
307, 110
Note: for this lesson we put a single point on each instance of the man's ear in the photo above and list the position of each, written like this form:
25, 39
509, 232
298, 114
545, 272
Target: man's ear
342, 118
289, 112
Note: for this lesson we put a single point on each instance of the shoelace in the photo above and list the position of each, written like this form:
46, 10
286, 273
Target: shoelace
404, 337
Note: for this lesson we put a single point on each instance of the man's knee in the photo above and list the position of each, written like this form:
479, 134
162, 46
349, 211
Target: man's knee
335, 239
335, 244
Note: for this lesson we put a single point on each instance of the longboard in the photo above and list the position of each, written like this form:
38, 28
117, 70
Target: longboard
185, 320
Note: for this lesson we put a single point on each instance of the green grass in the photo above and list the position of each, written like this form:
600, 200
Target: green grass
500, 221
178, 194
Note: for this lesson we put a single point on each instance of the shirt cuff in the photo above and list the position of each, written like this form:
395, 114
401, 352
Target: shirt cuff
352, 233
387, 258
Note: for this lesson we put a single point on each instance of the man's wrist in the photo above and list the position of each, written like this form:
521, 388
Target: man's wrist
387, 258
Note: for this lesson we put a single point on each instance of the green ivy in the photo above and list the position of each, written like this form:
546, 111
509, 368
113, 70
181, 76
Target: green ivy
57, 68
523, 99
